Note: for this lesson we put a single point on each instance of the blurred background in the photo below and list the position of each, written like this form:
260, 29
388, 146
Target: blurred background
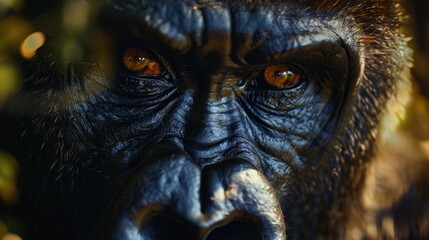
405, 148
417, 27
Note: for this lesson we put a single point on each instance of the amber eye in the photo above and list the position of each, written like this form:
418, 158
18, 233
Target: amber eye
139, 61
281, 76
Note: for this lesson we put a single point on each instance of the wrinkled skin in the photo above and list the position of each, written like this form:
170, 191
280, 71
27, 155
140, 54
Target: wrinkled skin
207, 149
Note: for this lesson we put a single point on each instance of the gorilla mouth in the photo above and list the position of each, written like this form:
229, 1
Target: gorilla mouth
227, 200
162, 226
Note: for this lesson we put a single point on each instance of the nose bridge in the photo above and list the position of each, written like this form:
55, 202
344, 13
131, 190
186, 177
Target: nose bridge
214, 122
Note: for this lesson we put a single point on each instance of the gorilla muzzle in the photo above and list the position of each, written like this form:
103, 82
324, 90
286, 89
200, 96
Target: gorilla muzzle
171, 197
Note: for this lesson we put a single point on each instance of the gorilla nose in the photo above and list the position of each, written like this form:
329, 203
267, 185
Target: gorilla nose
172, 198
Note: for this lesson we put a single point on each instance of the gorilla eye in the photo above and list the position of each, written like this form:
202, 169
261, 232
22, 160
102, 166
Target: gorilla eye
140, 62
281, 76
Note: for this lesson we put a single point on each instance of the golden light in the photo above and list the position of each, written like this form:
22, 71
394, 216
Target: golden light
31, 43
8, 177
10, 4
11, 236
75, 16
9, 81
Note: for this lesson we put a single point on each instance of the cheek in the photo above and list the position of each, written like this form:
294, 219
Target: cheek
286, 133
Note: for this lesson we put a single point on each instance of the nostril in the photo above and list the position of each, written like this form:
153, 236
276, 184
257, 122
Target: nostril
241, 229
166, 227
174, 199
163, 227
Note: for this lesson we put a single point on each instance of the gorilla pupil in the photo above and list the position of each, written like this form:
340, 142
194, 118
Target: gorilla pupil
139, 59
280, 73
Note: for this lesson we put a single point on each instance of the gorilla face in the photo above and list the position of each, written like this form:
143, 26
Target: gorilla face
203, 119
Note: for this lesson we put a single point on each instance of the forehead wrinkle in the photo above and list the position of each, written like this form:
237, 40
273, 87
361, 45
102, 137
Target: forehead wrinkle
171, 24
228, 32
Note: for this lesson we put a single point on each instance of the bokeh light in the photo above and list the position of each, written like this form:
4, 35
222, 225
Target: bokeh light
11, 236
8, 176
9, 81
31, 43
75, 16
5, 5
14, 30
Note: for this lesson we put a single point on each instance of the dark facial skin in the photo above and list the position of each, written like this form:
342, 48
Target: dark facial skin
209, 147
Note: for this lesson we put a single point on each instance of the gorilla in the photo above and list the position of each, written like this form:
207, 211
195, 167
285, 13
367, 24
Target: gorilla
197, 119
